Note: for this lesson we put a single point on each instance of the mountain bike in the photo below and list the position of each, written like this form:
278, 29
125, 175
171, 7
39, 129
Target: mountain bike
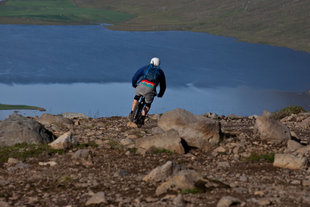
137, 118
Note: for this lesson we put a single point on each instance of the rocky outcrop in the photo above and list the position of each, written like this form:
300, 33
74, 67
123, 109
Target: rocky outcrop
271, 130
18, 129
197, 131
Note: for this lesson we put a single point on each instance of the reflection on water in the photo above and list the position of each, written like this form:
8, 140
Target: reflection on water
114, 99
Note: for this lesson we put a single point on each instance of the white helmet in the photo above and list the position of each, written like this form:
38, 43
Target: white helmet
155, 61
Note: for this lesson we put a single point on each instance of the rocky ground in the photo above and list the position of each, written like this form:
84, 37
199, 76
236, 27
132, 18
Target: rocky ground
108, 171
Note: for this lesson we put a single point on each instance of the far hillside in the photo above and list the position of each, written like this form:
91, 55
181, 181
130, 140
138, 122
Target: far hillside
279, 22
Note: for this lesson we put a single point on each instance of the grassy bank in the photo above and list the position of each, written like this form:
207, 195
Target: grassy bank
20, 107
278, 22
55, 12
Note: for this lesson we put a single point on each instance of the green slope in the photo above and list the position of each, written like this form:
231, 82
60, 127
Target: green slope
55, 11
19, 107
277, 22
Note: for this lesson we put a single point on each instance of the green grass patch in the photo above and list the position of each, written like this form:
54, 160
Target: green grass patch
158, 151
255, 157
65, 179
20, 107
86, 145
287, 111
62, 11
192, 191
132, 150
23, 151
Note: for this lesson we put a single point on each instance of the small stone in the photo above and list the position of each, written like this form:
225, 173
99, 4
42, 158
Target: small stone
259, 193
132, 125
97, 199
50, 163
151, 199
126, 142
243, 178
295, 182
12, 161
132, 136
264, 202
179, 201
223, 164
306, 183
227, 201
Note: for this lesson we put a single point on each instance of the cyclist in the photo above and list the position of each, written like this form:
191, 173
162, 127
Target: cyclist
145, 80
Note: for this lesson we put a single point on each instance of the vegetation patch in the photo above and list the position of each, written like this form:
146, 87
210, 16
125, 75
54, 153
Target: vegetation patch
255, 157
192, 191
287, 111
158, 151
57, 11
86, 145
20, 107
132, 150
23, 151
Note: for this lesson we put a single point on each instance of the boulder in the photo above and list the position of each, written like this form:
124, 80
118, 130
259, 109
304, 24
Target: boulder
292, 146
197, 131
289, 161
271, 130
162, 173
49, 119
69, 115
65, 141
184, 179
170, 141
18, 129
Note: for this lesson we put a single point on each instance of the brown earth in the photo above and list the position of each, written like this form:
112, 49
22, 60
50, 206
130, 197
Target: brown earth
117, 170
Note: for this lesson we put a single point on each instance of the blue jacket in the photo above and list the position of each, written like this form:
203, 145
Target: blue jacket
161, 79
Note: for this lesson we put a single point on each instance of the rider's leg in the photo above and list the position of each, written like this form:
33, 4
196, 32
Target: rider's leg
134, 105
145, 110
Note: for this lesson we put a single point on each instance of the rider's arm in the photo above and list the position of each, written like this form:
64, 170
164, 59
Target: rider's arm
162, 84
137, 75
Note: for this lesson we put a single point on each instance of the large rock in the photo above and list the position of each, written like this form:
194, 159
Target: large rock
289, 161
170, 141
271, 130
197, 131
49, 119
18, 129
65, 141
70, 115
162, 173
184, 179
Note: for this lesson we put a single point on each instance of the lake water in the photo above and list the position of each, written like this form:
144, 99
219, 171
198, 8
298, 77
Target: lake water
88, 69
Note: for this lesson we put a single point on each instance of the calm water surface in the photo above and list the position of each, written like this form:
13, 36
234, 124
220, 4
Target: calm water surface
88, 69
